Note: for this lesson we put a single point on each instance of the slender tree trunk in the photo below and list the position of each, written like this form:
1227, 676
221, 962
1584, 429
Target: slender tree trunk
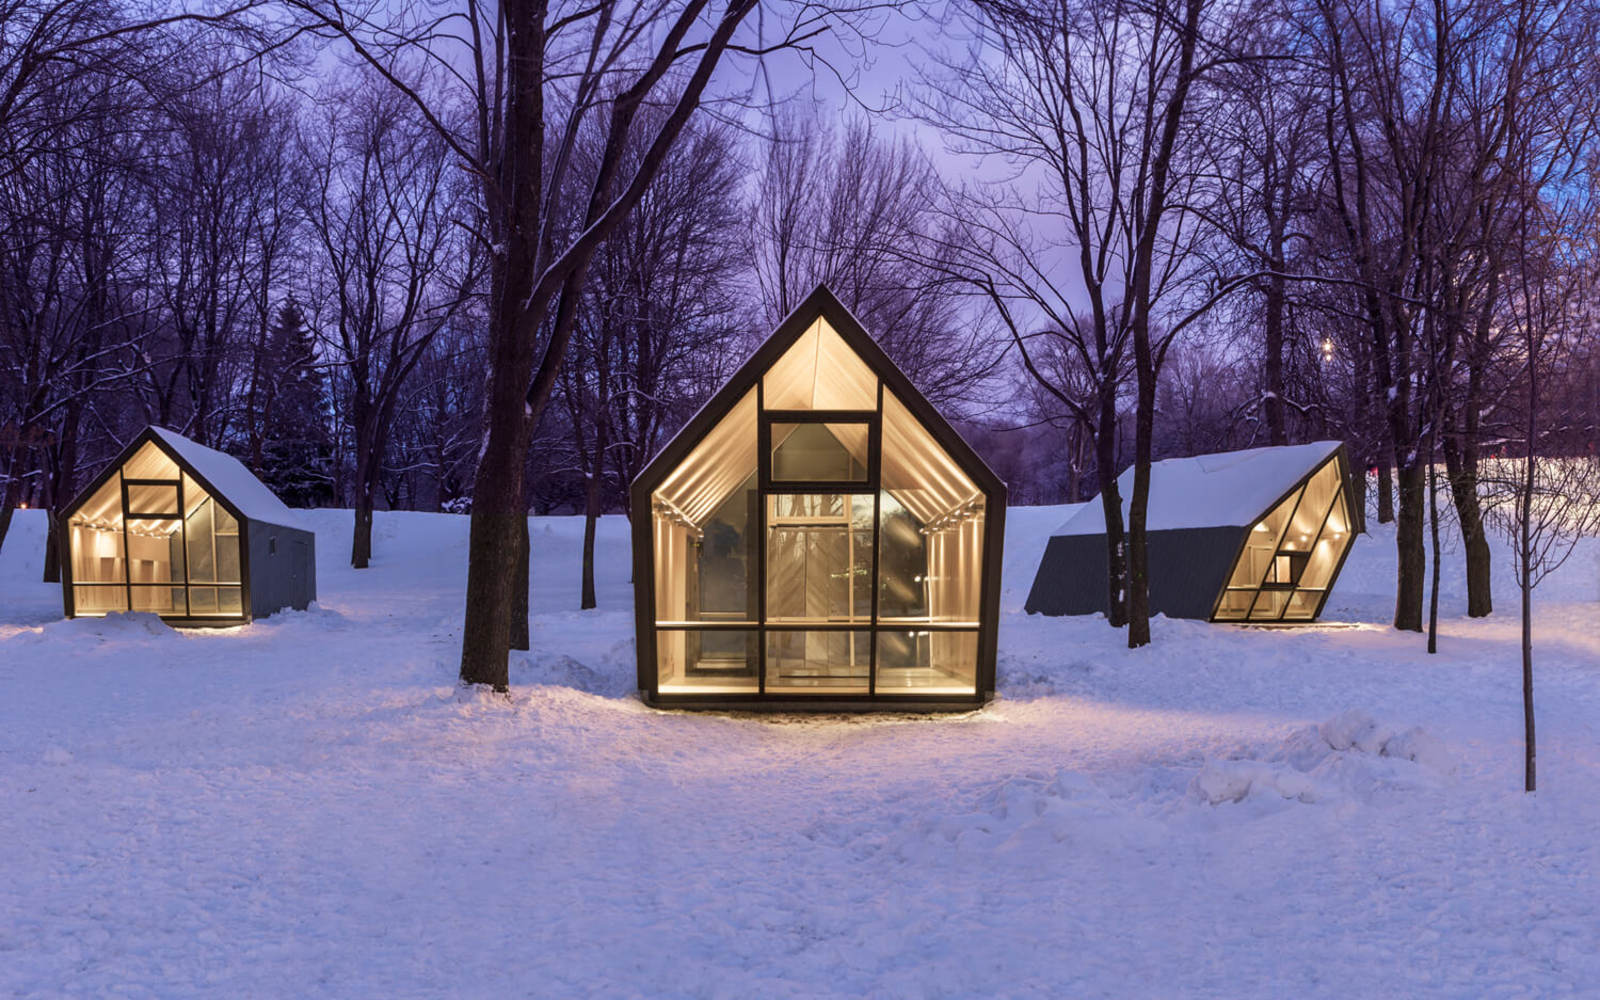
1433, 573
521, 631
591, 516
1525, 571
1277, 432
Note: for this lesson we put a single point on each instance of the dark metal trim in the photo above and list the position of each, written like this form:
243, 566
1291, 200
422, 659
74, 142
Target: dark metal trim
1347, 492
114, 468
820, 302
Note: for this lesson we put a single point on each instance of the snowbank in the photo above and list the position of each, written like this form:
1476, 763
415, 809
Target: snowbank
309, 806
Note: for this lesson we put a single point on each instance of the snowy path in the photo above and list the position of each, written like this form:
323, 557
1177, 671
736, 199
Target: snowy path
309, 807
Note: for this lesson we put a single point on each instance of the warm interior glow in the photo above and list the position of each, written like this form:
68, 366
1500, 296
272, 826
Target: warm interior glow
1290, 555
913, 541
151, 552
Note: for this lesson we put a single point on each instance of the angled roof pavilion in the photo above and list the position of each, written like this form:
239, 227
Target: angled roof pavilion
817, 536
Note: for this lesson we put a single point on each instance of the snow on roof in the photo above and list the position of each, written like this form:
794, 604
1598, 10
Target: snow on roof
229, 477
1228, 489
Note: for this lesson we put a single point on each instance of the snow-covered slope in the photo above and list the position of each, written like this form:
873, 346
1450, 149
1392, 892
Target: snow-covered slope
310, 807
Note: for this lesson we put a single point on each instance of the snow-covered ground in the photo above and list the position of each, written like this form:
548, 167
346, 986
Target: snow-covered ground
310, 807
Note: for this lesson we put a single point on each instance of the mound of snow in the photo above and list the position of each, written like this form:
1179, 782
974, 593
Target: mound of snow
1351, 754
118, 626
560, 670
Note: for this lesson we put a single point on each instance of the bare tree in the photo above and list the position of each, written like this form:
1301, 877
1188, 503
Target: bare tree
1085, 102
530, 75
861, 214
384, 211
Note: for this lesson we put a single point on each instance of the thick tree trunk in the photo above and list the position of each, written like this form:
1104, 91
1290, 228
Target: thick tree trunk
1461, 468
499, 524
592, 500
1138, 506
1385, 492
1410, 525
52, 548
1111, 504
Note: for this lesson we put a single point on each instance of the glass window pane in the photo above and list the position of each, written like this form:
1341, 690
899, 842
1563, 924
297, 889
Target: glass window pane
819, 568
1303, 605
1320, 491
1235, 604
707, 661
902, 563
99, 600
152, 498
230, 601
95, 537
203, 600
813, 662
819, 453
1329, 549
1269, 605
160, 600
155, 551
927, 662
1261, 545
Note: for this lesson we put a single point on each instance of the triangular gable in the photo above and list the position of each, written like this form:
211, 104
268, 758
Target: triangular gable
818, 357
221, 475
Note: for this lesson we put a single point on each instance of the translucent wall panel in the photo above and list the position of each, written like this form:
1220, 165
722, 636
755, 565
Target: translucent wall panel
212, 538
820, 372
916, 469
150, 462
99, 600
819, 453
927, 662
819, 558
817, 662
704, 525
705, 661
96, 541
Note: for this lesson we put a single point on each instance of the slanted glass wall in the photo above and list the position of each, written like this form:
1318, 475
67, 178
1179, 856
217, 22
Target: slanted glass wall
1290, 556
818, 540
152, 539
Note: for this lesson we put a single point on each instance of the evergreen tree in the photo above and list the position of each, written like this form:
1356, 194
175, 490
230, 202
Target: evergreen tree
296, 455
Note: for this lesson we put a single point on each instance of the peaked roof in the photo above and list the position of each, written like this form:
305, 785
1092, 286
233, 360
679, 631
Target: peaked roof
227, 476
222, 475
1226, 489
800, 323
